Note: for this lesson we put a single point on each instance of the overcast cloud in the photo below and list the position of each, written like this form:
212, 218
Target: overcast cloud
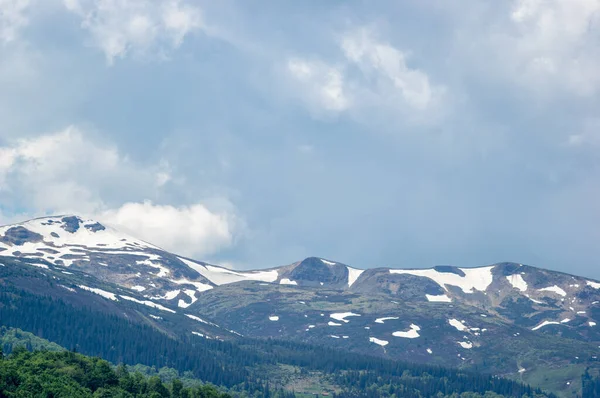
404, 134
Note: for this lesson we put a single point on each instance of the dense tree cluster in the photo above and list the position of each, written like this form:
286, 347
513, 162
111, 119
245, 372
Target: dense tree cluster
68, 374
590, 385
11, 338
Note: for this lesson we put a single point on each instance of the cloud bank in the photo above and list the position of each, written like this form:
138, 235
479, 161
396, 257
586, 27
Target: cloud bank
402, 134
67, 172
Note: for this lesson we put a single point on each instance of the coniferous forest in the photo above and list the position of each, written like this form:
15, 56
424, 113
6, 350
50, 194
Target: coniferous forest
240, 367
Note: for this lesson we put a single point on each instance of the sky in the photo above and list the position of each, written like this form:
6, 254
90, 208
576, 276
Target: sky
255, 134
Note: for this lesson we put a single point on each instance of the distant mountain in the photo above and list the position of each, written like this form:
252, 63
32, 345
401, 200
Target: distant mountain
511, 319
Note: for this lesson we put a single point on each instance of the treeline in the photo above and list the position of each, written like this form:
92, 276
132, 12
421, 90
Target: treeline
235, 365
67, 374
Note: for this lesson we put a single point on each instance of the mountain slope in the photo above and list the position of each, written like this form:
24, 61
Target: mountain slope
510, 319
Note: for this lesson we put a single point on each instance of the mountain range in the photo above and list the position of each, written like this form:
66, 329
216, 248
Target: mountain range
508, 319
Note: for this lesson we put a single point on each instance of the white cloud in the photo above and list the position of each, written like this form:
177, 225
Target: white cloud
189, 230
162, 177
179, 20
122, 27
588, 136
58, 171
12, 18
372, 76
387, 65
551, 44
67, 172
322, 84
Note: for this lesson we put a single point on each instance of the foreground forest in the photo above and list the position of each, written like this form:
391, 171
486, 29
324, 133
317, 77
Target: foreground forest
68, 374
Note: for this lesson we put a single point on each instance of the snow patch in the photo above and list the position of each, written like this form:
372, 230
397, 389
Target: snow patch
592, 323
353, 275
100, 292
412, 333
474, 279
191, 294
196, 318
457, 324
330, 323
593, 284
534, 300
377, 341
138, 288
342, 315
545, 323
286, 281
327, 262
429, 351
387, 318
442, 298
554, 289
162, 271
517, 281
147, 303
274, 318
200, 287
466, 344
171, 295
222, 276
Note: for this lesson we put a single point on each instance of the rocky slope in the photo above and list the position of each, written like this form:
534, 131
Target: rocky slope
508, 318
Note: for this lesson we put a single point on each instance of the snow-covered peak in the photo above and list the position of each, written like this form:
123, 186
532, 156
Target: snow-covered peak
67, 230
89, 246
66, 240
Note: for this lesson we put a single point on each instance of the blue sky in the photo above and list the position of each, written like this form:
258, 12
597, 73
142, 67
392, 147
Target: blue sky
254, 134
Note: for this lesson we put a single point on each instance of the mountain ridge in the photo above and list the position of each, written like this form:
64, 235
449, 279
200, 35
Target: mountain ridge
518, 320
104, 226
